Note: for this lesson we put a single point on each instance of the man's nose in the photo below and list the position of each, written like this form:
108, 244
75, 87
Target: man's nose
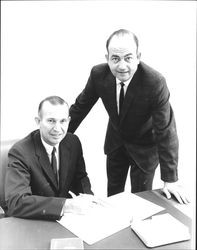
122, 64
57, 126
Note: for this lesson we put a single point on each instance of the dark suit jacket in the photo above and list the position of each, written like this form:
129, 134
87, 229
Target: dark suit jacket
147, 125
30, 187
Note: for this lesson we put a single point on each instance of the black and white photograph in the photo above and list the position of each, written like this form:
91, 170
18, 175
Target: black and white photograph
98, 124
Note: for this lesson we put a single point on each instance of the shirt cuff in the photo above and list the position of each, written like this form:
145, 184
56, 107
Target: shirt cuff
62, 212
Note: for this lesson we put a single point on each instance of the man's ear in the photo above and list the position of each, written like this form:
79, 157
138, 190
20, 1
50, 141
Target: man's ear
107, 57
139, 55
37, 120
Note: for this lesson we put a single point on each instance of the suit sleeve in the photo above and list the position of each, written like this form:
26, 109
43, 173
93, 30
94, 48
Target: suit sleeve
20, 200
81, 182
165, 132
83, 104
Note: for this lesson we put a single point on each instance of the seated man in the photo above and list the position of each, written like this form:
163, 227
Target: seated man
38, 180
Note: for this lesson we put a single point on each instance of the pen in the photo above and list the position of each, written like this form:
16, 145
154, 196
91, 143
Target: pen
74, 195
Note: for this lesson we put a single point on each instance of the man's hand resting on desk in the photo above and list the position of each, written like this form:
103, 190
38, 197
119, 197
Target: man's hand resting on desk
80, 204
176, 190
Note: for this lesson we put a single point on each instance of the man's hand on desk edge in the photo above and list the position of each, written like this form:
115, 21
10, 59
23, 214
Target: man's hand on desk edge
177, 191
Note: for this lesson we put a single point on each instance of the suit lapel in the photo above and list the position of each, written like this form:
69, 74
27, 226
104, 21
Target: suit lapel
44, 159
110, 99
131, 94
65, 161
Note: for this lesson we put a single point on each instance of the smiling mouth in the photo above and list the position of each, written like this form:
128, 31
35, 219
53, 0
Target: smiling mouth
56, 136
123, 72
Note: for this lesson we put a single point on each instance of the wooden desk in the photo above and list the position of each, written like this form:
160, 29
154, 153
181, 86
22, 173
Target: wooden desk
22, 234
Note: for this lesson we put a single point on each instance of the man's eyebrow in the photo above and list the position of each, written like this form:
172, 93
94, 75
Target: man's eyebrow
130, 54
114, 56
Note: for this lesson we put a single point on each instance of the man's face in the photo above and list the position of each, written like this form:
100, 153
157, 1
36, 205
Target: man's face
122, 57
53, 122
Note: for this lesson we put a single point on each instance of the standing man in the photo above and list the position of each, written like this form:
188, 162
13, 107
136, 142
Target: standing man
45, 166
141, 131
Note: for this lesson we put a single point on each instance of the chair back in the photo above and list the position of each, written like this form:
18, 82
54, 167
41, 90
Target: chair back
5, 146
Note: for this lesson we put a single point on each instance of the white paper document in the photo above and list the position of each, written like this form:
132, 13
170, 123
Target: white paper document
102, 221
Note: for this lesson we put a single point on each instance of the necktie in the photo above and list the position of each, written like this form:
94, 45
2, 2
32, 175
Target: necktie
121, 98
54, 163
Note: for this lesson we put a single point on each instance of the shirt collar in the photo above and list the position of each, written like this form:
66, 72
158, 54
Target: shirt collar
126, 82
48, 147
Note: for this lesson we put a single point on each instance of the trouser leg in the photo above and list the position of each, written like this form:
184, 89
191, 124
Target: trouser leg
117, 170
140, 180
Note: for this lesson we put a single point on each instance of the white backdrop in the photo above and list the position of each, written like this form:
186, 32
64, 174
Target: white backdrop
49, 47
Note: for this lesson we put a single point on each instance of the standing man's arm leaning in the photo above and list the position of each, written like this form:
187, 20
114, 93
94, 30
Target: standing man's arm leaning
167, 142
83, 104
